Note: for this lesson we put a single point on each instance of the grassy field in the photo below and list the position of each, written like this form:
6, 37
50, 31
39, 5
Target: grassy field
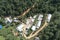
2, 38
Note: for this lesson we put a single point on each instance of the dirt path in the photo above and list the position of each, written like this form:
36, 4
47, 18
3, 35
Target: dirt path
25, 12
36, 33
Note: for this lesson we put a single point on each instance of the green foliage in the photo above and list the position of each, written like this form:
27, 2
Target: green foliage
2, 38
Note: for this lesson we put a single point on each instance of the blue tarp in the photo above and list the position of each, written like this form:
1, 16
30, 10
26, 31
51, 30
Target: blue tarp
0, 26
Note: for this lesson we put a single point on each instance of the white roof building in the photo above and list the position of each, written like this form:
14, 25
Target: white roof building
49, 17
33, 28
30, 20
8, 19
19, 28
40, 17
15, 18
33, 20
38, 24
34, 16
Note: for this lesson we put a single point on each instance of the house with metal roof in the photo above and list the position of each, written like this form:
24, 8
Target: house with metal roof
19, 27
49, 17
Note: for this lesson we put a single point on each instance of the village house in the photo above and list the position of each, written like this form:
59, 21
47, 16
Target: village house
15, 20
49, 17
19, 27
40, 17
8, 19
33, 28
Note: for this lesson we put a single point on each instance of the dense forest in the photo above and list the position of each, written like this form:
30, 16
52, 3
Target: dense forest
15, 8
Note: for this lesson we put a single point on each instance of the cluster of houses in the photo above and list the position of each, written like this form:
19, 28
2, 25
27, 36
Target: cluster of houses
10, 19
30, 21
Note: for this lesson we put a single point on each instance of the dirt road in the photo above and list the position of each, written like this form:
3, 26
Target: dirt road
36, 33
25, 12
